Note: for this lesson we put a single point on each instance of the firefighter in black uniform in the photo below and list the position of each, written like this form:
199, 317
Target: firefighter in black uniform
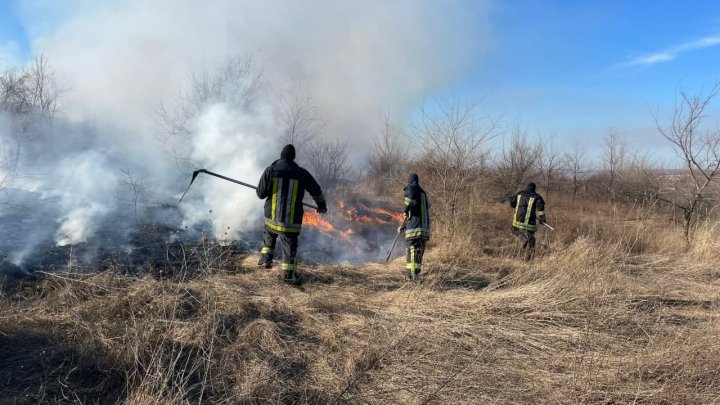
416, 226
283, 186
529, 208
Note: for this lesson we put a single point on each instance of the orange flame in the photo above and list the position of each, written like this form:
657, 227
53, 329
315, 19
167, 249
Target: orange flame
363, 214
380, 211
313, 219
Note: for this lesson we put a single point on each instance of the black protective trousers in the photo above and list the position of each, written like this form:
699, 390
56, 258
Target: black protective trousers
528, 239
414, 251
288, 245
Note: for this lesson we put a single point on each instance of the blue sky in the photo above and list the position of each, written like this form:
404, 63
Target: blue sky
577, 68
564, 68
14, 43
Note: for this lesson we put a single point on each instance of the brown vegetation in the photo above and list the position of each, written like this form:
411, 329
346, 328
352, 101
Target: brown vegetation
614, 310
620, 305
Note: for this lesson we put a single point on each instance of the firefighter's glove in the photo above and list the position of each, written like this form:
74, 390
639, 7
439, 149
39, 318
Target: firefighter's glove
322, 207
401, 228
542, 220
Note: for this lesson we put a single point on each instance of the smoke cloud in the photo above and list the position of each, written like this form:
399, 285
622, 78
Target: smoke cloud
117, 61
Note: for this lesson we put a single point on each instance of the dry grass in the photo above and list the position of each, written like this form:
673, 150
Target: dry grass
612, 311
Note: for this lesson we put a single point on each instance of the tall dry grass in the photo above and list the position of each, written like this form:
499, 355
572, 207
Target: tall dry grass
615, 309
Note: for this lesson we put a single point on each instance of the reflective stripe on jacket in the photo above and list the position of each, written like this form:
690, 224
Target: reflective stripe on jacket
417, 205
283, 186
528, 207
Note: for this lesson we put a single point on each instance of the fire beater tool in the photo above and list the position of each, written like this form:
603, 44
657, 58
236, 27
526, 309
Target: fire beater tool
396, 239
196, 172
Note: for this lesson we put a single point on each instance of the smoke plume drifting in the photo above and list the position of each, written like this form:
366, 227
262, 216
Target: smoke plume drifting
108, 153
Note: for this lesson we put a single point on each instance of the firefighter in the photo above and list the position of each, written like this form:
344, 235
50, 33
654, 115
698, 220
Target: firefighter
416, 226
529, 208
283, 186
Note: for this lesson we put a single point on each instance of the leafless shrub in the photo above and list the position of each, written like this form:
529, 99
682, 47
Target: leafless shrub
453, 153
30, 92
329, 162
9, 159
549, 164
299, 114
235, 82
28, 101
640, 180
573, 163
133, 192
614, 159
699, 152
518, 162
389, 158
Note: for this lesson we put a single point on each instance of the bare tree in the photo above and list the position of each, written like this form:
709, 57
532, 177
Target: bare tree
517, 162
133, 191
329, 162
549, 163
641, 179
574, 163
452, 140
28, 101
235, 83
389, 157
698, 150
32, 92
299, 113
614, 158
10, 149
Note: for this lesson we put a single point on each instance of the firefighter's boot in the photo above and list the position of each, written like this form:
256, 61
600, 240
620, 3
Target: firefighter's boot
291, 277
265, 262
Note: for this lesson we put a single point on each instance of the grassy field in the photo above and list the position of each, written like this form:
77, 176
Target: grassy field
615, 309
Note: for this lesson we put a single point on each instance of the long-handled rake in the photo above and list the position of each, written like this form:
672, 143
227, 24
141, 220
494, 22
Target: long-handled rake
196, 172
395, 241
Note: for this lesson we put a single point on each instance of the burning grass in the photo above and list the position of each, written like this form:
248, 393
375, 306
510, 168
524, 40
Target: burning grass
592, 320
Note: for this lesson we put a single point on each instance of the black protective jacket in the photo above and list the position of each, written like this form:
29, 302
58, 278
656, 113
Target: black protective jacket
417, 209
283, 186
529, 207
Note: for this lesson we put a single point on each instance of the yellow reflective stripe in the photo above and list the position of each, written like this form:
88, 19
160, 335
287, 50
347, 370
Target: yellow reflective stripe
294, 199
517, 207
266, 250
280, 228
529, 210
288, 266
274, 198
410, 201
411, 235
412, 265
412, 258
540, 213
526, 227
407, 203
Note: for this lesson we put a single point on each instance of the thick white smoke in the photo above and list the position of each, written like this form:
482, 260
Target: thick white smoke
83, 200
234, 144
116, 61
357, 58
